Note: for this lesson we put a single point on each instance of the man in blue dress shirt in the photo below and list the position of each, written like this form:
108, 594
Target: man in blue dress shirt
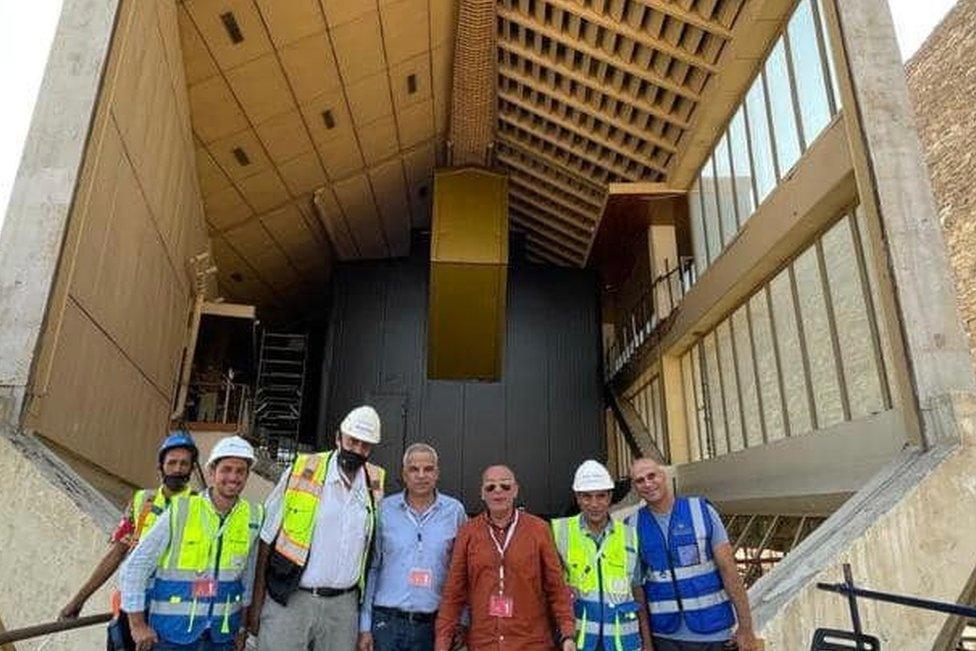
416, 532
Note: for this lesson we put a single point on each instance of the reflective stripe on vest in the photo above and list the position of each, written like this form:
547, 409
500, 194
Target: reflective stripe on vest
302, 495
147, 505
601, 583
201, 549
681, 580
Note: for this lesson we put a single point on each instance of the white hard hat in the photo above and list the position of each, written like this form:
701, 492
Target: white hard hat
231, 446
362, 423
592, 476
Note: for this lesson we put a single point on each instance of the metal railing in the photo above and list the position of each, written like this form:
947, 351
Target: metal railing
640, 322
825, 639
220, 402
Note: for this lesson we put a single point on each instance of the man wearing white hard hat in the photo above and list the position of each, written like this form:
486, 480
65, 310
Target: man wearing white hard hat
316, 542
200, 557
600, 560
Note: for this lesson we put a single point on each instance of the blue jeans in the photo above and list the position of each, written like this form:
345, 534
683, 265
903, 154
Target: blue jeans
203, 644
391, 633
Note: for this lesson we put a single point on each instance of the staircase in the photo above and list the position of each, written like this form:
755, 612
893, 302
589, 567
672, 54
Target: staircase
280, 388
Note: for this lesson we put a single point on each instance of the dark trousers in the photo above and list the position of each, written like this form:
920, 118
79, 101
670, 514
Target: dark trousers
664, 644
392, 633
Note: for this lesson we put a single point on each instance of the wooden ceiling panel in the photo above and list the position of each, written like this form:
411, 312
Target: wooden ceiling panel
214, 112
240, 154
304, 174
261, 88
261, 252
212, 178
416, 123
284, 137
359, 47
418, 165
327, 117
197, 62
264, 190
209, 18
369, 98
238, 276
289, 230
410, 81
340, 12
310, 67
379, 140
225, 208
356, 199
406, 30
340, 156
292, 20
443, 19
390, 190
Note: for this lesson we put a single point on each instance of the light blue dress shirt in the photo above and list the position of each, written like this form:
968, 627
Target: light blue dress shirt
408, 541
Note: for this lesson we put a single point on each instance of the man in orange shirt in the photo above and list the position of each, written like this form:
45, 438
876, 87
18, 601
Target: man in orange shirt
505, 567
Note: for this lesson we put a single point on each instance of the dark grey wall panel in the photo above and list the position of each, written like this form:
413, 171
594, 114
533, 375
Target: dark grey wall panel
542, 418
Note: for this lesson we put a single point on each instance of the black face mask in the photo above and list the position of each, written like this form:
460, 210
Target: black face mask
176, 483
350, 461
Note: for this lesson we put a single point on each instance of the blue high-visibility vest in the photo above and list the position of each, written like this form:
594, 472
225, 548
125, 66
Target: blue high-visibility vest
680, 576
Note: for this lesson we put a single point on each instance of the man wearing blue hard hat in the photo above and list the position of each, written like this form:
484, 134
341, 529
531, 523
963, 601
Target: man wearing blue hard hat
177, 456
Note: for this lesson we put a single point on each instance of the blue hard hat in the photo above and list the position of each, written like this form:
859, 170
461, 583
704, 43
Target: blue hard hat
178, 439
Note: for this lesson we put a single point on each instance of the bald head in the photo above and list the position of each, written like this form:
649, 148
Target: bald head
650, 480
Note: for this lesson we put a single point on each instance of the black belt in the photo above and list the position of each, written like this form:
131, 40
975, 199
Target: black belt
328, 592
421, 618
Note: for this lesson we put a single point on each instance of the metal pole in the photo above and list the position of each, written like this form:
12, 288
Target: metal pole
28, 632
852, 602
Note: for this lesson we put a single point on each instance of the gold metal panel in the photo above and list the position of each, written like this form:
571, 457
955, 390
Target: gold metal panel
284, 136
264, 190
379, 140
416, 124
261, 88
247, 142
400, 84
304, 174
197, 62
213, 110
310, 67
369, 98
466, 333
356, 199
226, 208
340, 12
470, 218
406, 30
390, 190
291, 20
359, 47
206, 16
340, 156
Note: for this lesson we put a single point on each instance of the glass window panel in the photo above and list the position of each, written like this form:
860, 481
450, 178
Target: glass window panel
760, 141
713, 234
741, 168
791, 360
766, 364
730, 386
726, 195
785, 134
808, 72
713, 393
697, 227
747, 378
817, 334
861, 220
704, 422
825, 35
861, 372
691, 411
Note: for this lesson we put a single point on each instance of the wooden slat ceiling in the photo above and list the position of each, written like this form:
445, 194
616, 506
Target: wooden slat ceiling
318, 122
346, 99
592, 92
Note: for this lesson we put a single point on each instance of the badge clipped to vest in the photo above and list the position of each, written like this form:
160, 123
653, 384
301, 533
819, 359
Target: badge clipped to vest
204, 588
421, 577
688, 555
500, 605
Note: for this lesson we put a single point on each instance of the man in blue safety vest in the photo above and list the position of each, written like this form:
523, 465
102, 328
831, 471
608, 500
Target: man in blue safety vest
691, 583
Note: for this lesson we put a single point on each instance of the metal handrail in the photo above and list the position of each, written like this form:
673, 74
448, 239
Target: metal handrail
28, 632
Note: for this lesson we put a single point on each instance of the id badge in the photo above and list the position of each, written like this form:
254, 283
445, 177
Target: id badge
688, 555
204, 588
421, 577
620, 586
501, 606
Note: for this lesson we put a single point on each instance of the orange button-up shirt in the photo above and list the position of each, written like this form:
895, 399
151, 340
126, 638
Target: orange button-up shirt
533, 580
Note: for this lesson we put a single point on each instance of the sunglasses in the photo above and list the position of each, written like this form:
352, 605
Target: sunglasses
503, 487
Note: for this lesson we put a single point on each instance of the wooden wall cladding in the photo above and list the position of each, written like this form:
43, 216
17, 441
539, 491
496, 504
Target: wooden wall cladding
111, 349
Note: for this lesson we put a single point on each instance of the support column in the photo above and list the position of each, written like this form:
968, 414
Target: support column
36, 221
931, 355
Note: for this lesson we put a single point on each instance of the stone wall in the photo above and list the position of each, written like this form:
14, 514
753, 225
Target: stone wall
941, 83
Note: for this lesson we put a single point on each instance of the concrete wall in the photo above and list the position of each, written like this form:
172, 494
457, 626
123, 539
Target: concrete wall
110, 352
50, 542
941, 78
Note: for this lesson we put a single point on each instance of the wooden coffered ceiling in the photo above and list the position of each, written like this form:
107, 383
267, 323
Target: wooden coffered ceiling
318, 122
592, 92
296, 103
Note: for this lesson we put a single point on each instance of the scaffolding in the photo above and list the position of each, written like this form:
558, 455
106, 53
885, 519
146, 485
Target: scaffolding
280, 391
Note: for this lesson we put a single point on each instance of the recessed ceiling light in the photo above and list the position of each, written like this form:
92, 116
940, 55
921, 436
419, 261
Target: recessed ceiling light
328, 119
411, 83
241, 156
233, 29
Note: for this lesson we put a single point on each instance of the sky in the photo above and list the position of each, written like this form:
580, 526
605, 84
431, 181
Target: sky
27, 29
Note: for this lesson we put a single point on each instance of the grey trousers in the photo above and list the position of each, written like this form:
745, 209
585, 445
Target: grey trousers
309, 623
